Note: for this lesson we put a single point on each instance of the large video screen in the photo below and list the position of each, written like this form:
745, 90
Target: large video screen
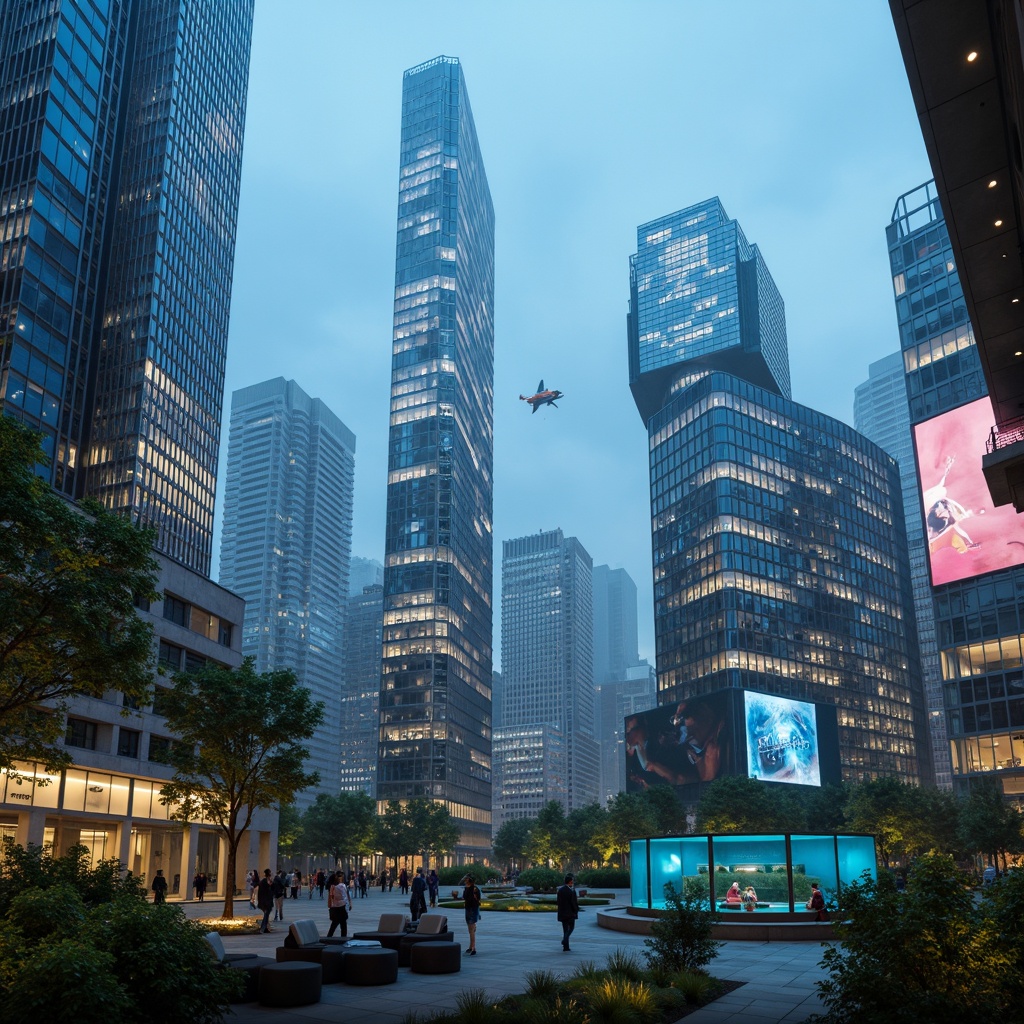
782, 739
967, 534
679, 744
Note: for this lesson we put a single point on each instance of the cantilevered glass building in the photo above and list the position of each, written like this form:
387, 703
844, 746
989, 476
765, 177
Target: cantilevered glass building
778, 558
435, 704
121, 128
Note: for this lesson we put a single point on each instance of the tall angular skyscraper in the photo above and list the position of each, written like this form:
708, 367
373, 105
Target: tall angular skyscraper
779, 557
287, 543
880, 411
615, 632
122, 128
435, 704
360, 693
547, 677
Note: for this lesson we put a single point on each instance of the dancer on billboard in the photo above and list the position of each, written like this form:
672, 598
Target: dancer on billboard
943, 516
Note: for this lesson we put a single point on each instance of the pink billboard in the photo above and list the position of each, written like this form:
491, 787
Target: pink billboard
967, 535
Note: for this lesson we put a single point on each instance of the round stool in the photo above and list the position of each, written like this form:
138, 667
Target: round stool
371, 966
292, 983
435, 958
332, 960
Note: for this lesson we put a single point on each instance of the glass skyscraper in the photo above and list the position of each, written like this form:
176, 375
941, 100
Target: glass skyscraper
547, 622
287, 543
778, 551
972, 547
360, 689
435, 704
880, 411
121, 126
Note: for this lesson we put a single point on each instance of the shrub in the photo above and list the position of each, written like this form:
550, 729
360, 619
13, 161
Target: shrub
928, 955
681, 938
55, 913
607, 878
619, 1001
695, 986
162, 962
453, 876
624, 964
66, 982
542, 984
541, 879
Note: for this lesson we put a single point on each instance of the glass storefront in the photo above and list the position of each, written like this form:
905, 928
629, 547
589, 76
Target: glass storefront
779, 867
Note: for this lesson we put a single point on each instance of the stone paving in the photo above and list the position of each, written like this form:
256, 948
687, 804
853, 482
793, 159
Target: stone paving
779, 976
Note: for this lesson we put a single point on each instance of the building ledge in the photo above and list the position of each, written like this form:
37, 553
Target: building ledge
1004, 473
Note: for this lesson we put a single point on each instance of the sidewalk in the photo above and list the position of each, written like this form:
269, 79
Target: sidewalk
779, 976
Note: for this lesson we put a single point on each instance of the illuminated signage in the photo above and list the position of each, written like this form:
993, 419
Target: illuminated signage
782, 739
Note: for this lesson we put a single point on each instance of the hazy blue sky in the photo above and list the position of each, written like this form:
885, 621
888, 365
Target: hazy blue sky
593, 118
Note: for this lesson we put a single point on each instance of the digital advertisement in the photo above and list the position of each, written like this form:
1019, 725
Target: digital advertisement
967, 535
782, 739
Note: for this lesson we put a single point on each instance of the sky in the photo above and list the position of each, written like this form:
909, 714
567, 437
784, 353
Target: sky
593, 118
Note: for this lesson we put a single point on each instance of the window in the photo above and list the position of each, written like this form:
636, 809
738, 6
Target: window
80, 734
160, 749
170, 655
224, 634
128, 743
177, 611
160, 701
194, 662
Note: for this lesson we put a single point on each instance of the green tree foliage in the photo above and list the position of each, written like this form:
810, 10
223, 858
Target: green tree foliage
391, 832
905, 820
581, 825
289, 831
669, 814
512, 842
69, 578
240, 749
429, 828
988, 824
928, 955
547, 836
1003, 904
629, 815
342, 825
681, 938
735, 803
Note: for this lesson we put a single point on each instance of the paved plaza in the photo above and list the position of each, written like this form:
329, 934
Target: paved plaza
779, 976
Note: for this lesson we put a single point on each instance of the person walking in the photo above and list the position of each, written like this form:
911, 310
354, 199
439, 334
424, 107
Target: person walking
296, 883
418, 901
403, 882
339, 903
321, 881
277, 887
471, 899
383, 881
159, 887
362, 883
265, 900
432, 886
568, 909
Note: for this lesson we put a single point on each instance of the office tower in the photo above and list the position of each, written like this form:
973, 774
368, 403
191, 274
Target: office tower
435, 703
880, 412
615, 632
547, 672
497, 696
364, 572
360, 689
123, 126
779, 558
972, 546
287, 542
617, 701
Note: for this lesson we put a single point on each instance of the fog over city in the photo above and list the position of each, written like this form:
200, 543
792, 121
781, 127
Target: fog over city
593, 118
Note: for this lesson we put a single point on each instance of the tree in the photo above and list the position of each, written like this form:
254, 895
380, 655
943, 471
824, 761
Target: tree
391, 830
341, 825
629, 815
581, 825
681, 938
547, 837
512, 841
669, 814
69, 579
289, 830
443, 834
240, 748
905, 820
735, 803
987, 823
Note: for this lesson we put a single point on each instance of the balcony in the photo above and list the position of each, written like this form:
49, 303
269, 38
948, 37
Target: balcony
1003, 464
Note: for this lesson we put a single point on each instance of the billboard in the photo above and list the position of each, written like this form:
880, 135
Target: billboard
967, 535
680, 744
782, 739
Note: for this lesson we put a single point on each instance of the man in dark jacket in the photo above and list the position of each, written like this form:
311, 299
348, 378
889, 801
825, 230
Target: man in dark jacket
265, 899
568, 909
418, 901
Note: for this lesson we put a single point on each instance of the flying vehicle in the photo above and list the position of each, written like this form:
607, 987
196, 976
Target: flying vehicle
542, 397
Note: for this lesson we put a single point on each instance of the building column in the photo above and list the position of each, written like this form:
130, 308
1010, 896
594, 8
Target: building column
32, 826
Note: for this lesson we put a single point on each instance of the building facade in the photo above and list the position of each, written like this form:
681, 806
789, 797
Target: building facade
364, 572
435, 703
880, 412
287, 542
360, 690
121, 129
547, 673
970, 544
616, 648
615, 702
109, 800
778, 551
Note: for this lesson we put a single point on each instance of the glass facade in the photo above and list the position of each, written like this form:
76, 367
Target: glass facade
547, 667
978, 621
780, 867
286, 545
880, 412
777, 532
121, 127
360, 689
435, 704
